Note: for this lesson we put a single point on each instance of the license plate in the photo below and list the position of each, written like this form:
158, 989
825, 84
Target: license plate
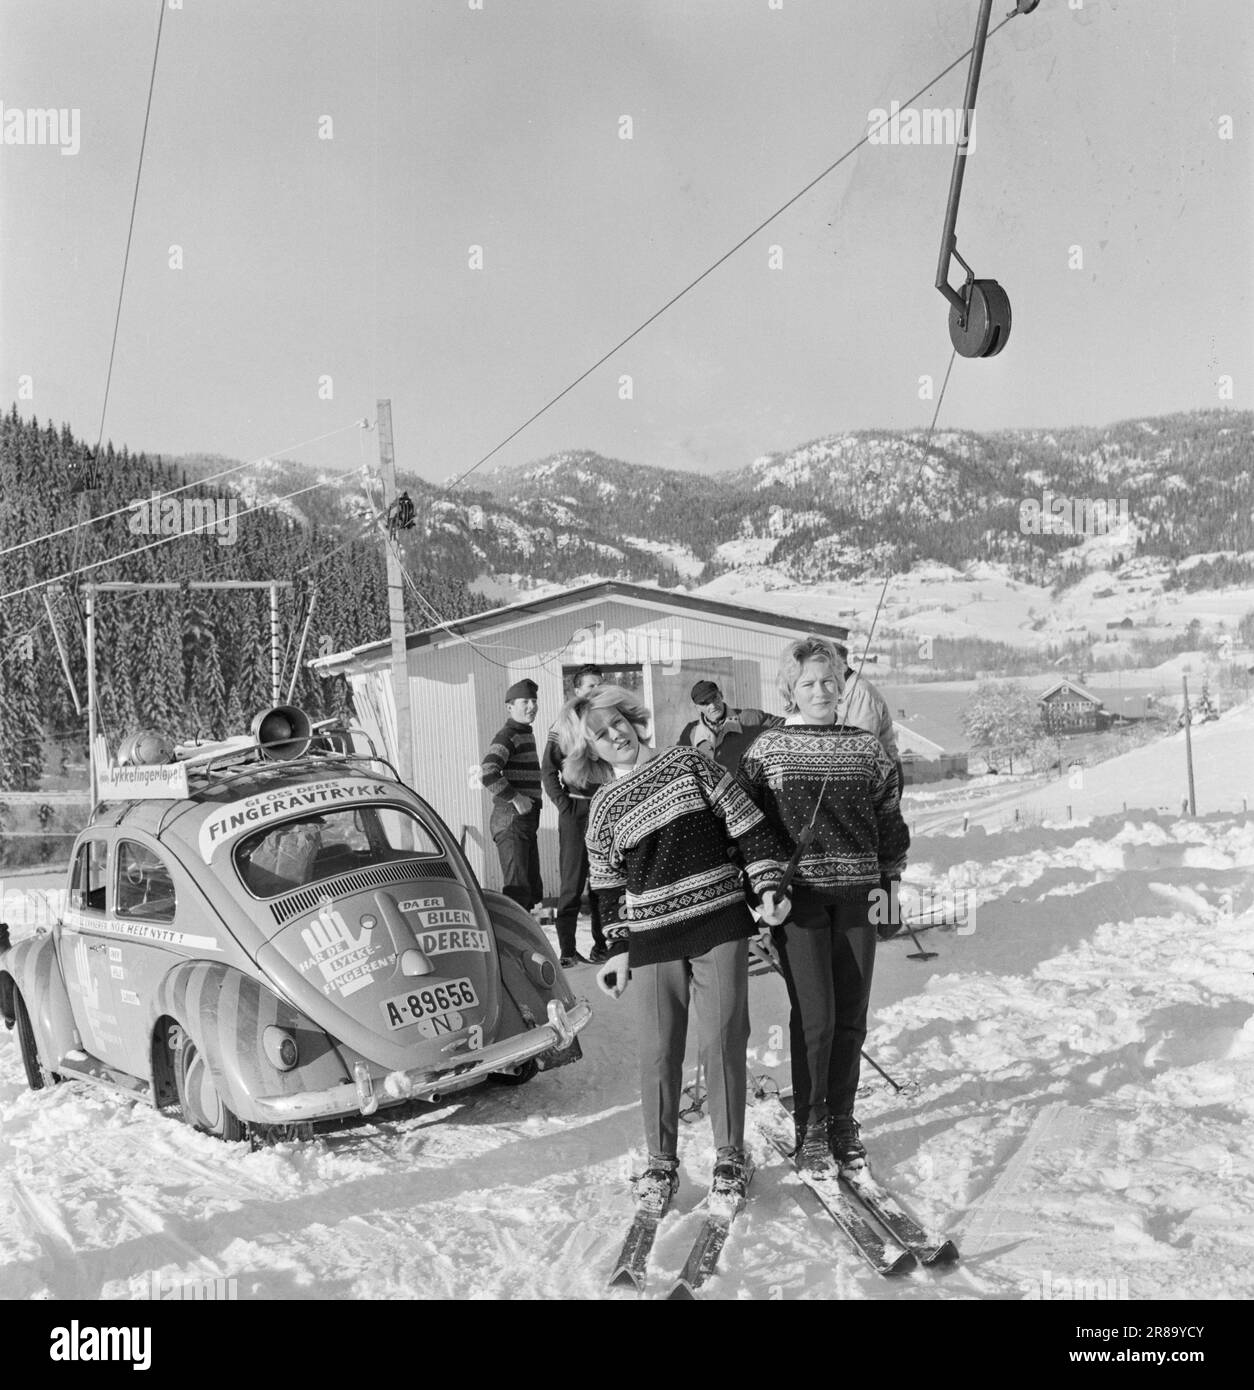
428, 1002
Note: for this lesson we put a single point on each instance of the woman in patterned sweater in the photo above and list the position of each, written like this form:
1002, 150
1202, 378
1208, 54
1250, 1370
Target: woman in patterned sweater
812, 771
668, 836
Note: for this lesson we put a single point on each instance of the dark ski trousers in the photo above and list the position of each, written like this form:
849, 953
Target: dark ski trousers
515, 838
572, 826
718, 983
827, 951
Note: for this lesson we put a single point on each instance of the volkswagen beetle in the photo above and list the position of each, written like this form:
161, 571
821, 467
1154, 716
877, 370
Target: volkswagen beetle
275, 934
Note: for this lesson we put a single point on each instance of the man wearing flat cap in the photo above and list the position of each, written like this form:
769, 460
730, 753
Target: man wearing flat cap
510, 774
722, 732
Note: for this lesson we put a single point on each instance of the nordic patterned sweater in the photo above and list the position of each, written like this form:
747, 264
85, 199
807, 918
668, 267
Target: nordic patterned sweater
859, 833
510, 766
659, 845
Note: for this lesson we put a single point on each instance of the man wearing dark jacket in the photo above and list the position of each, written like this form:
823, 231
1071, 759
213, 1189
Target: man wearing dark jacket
572, 824
722, 732
510, 774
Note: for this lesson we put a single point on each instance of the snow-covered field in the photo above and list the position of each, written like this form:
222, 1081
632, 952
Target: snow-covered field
982, 601
1080, 1112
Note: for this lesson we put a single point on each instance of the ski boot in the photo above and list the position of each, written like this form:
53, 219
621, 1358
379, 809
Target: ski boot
814, 1158
654, 1189
732, 1175
846, 1148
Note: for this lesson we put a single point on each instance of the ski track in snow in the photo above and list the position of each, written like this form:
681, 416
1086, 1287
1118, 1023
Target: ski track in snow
1109, 972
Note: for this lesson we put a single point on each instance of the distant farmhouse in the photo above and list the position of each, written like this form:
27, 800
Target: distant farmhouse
1068, 708
650, 640
924, 760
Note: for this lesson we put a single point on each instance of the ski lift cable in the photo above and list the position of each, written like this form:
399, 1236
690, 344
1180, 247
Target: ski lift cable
726, 256
130, 231
807, 832
199, 482
126, 257
165, 540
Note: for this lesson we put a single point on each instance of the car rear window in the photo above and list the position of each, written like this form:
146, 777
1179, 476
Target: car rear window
296, 853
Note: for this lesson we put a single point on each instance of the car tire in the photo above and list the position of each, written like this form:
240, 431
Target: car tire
520, 1077
201, 1105
37, 1075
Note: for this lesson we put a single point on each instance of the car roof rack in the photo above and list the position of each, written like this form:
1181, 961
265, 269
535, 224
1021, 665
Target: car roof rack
237, 757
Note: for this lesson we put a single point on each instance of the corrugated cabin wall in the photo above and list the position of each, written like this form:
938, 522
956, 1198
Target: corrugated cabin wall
457, 696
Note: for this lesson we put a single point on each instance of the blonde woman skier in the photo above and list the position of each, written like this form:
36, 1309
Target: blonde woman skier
669, 833
816, 772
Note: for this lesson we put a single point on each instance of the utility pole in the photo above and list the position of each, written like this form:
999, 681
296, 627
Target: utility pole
1188, 744
93, 772
396, 606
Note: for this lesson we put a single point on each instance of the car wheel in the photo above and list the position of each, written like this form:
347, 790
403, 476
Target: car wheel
520, 1077
37, 1075
203, 1108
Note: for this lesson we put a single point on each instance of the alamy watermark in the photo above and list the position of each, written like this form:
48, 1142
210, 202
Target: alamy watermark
31, 907
1061, 1286
41, 125
179, 1288
190, 516
928, 125
1056, 515
948, 908
637, 646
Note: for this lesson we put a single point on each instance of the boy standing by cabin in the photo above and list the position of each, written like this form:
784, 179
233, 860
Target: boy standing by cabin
510, 774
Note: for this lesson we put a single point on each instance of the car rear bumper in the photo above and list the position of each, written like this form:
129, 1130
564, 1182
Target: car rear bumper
365, 1094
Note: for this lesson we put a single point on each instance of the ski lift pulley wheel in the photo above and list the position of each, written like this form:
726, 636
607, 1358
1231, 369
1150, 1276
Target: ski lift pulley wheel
984, 329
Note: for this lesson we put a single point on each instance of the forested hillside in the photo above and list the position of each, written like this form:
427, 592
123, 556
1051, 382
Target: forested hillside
837, 507
194, 662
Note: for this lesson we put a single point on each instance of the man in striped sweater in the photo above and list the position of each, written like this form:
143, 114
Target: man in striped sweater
510, 774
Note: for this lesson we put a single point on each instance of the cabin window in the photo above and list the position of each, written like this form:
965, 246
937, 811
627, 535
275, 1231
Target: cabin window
87, 883
295, 853
144, 887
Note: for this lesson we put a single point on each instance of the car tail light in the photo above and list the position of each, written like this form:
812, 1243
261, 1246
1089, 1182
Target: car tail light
413, 962
540, 968
280, 1048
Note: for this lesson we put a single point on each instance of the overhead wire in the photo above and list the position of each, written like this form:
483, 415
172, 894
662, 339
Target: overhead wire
692, 284
166, 540
726, 256
130, 230
170, 492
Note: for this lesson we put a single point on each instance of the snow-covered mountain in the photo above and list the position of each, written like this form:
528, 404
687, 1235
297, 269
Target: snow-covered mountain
843, 506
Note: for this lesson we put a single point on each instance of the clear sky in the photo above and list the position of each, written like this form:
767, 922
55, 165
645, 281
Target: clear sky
348, 257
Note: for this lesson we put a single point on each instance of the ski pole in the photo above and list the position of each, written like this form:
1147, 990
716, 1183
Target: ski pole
867, 1057
918, 953
767, 956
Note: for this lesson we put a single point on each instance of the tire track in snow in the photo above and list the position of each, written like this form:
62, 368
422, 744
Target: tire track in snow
65, 1276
